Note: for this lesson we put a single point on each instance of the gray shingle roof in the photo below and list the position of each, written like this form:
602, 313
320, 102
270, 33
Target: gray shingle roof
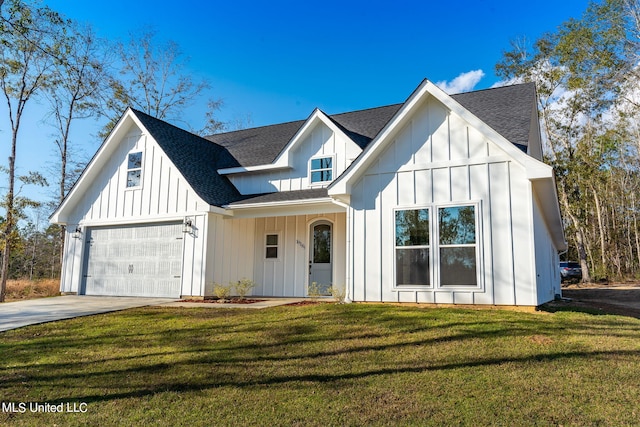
506, 109
284, 196
260, 146
196, 158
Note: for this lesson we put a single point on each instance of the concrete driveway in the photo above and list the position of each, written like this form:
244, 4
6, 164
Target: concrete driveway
30, 312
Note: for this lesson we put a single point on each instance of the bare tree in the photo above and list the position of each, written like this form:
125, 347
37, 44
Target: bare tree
74, 94
27, 59
151, 79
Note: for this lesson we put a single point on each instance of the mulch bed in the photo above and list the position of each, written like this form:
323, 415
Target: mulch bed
225, 301
305, 302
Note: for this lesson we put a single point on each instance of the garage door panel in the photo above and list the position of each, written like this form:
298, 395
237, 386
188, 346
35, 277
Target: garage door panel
143, 260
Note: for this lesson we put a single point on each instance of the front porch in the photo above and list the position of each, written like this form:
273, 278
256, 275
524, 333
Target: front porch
284, 246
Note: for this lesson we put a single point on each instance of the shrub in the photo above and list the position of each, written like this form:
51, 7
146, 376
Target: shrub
221, 291
339, 293
243, 287
314, 291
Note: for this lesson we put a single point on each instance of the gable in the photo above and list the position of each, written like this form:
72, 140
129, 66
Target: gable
442, 130
318, 140
102, 193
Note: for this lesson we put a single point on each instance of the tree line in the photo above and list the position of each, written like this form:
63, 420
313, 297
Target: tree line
48, 59
588, 80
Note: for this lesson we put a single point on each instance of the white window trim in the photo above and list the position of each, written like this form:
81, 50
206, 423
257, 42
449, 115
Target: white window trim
479, 262
333, 170
410, 287
278, 246
126, 176
434, 247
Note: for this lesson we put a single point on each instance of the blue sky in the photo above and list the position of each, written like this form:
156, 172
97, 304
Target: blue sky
275, 61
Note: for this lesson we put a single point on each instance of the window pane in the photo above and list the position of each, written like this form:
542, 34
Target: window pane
458, 266
272, 252
412, 267
457, 225
412, 227
272, 239
325, 163
321, 176
135, 160
133, 178
322, 244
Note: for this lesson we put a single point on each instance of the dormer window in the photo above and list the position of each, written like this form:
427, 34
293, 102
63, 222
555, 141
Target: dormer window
134, 169
321, 170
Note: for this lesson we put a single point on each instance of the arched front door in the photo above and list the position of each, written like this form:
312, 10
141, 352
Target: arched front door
320, 259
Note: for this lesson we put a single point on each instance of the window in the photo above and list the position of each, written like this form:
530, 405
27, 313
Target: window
271, 251
321, 169
453, 250
412, 247
134, 169
457, 235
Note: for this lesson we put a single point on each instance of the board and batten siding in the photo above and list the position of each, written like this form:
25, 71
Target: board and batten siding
163, 196
163, 190
437, 159
547, 259
288, 275
230, 247
321, 141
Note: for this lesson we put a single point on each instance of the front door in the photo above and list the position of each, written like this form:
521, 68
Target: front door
320, 271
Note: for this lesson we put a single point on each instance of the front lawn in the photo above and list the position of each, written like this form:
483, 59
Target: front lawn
324, 365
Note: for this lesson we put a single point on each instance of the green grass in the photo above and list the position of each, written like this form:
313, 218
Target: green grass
326, 365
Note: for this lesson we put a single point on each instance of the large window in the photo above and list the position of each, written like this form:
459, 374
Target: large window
453, 250
412, 247
321, 169
457, 233
134, 169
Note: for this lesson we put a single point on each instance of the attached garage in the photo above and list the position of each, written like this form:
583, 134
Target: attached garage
143, 260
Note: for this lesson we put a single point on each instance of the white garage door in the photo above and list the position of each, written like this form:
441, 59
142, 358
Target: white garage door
141, 260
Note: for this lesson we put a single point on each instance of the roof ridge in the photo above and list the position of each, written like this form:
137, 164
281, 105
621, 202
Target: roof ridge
366, 109
493, 88
253, 128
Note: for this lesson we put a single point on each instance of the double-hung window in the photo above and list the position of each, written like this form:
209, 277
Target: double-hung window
412, 247
457, 238
271, 247
321, 169
134, 169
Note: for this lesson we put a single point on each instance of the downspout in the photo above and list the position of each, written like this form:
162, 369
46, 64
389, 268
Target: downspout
347, 285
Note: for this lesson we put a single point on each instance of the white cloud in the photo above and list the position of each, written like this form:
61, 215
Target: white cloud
463, 83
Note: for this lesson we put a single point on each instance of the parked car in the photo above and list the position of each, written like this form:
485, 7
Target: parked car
570, 270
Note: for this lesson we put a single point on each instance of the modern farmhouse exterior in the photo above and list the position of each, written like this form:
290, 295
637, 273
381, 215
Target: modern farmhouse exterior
440, 199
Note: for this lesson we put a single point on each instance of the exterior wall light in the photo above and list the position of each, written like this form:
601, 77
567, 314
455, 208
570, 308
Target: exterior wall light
187, 226
77, 233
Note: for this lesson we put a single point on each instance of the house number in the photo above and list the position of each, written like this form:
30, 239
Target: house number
130, 268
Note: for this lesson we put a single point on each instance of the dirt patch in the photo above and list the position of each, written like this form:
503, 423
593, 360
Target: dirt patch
620, 299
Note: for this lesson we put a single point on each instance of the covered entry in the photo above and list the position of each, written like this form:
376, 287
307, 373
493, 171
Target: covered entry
141, 260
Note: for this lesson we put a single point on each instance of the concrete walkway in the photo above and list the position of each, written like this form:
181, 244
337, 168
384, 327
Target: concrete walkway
30, 312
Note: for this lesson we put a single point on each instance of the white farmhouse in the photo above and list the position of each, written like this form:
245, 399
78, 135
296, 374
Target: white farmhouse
440, 199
